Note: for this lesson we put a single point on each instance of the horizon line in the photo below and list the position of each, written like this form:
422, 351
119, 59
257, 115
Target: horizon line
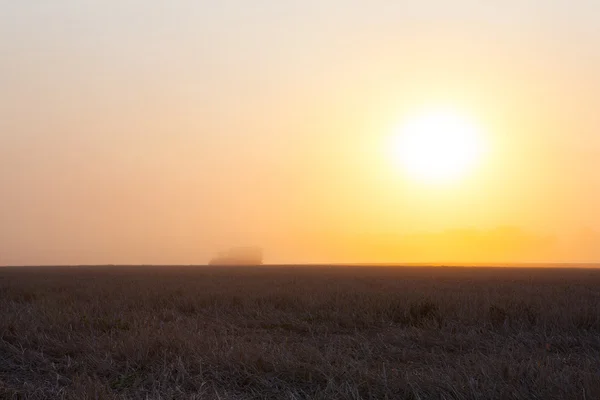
337, 264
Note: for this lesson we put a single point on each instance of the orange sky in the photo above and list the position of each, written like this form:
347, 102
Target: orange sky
135, 133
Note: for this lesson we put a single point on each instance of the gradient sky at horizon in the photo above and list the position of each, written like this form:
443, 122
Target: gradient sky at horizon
150, 132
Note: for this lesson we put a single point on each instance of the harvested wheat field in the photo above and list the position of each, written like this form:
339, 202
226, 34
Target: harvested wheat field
299, 333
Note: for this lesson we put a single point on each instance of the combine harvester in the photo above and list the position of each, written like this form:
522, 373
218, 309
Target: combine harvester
246, 256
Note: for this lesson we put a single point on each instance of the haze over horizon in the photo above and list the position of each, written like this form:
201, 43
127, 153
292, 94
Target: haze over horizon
151, 133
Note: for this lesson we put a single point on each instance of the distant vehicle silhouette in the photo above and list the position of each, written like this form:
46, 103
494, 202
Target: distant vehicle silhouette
239, 256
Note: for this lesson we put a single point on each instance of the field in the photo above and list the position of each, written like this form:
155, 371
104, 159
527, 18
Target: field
299, 333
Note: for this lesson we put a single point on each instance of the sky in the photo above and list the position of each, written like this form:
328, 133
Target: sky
151, 132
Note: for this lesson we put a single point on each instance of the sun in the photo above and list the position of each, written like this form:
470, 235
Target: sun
437, 147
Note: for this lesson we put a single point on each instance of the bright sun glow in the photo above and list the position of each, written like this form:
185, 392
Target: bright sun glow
437, 147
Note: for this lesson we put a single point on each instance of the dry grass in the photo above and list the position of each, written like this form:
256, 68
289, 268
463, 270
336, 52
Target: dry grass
299, 333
